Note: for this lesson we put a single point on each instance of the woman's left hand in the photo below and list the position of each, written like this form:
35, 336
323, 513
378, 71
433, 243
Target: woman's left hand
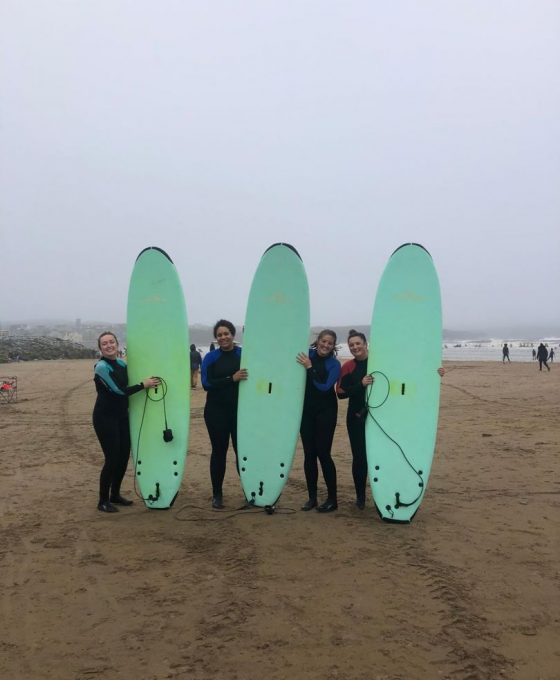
441, 371
151, 382
304, 360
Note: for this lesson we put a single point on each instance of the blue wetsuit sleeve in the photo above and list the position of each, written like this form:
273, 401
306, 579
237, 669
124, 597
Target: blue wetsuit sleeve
333, 367
207, 378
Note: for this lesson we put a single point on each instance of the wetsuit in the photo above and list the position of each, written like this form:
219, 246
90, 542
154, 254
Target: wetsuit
318, 422
196, 361
350, 387
220, 411
110, 421
542, 356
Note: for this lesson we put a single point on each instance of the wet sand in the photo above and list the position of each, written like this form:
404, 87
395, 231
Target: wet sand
468, 591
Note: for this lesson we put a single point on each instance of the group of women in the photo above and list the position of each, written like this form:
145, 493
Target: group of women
221, 374
326, 382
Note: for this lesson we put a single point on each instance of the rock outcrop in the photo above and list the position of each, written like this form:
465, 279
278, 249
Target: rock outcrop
31, 348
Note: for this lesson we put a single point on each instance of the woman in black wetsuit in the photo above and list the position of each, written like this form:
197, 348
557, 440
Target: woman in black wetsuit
318, 421
110, 419
352, 386
221, 373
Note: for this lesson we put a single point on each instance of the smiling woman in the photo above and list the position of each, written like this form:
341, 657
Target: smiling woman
318, 421
352, 385
110, 419
221, 373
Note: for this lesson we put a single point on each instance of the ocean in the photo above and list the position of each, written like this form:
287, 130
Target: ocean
468, 350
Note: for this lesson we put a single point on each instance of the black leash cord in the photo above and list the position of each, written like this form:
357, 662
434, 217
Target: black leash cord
136, 491
146, 398
244, 510
418, 473
163, 395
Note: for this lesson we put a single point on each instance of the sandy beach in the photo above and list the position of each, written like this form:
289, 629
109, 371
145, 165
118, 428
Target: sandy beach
468, 591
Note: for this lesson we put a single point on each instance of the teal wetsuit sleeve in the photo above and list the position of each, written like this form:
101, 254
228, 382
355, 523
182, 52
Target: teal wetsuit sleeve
104, 374
114, 381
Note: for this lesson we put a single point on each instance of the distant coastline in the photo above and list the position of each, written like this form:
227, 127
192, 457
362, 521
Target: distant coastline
86, 332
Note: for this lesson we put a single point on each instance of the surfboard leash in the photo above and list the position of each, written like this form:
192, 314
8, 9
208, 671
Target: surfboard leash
243, 511
167, 437
371, 408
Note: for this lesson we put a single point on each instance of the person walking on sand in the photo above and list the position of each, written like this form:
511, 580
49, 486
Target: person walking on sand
196, 362
505, 353
542, 355
110, 419
551, 355
221, 373
318, 421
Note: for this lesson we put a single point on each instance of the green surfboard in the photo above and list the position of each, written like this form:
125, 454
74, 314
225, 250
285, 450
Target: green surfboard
158, 345
271, 400
403, 403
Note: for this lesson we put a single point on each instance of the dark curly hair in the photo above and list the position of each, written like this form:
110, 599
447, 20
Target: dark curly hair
227, 324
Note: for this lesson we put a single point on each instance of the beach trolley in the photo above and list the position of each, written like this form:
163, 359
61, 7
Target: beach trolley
8, 390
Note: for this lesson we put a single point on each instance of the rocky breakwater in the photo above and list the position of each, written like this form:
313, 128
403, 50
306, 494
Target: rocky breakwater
31, 348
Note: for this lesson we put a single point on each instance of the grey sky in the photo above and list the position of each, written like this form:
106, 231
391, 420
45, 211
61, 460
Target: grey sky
213, 129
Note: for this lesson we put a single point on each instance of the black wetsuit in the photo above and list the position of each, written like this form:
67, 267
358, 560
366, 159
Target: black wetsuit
318, 422
110, 421
542, 356
220, 411
350, 387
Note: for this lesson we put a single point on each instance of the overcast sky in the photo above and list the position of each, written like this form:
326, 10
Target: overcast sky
214, 129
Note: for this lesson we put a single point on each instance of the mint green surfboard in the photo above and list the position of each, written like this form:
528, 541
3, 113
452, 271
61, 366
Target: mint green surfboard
271, 400
403, 403
158, 345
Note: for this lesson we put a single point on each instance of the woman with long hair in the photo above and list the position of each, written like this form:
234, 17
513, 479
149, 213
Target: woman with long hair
318, 422
110, 419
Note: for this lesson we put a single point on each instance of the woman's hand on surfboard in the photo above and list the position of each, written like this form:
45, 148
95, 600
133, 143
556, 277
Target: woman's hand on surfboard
241, 374
368, 380
441, 371
304, 360
150, 382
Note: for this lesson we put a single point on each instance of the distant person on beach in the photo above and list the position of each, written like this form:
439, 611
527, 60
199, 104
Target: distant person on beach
221, 373
551, 355
542, 355
212, 347
318, 421
352, 385
505, 353
534, 354
110, 419
196, 362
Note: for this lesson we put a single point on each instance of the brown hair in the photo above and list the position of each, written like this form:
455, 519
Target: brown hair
106, 333
353, 333
325, 331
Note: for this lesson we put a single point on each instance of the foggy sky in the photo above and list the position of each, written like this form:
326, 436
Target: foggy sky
213, 130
